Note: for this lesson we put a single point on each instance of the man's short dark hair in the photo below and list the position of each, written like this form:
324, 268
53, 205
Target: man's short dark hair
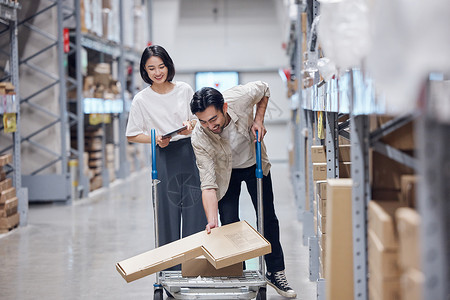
204, 98
156, 50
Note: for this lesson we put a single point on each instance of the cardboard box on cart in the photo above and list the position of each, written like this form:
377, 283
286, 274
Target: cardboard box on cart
224, 246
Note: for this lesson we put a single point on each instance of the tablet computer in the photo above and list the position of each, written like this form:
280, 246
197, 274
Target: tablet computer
174, 133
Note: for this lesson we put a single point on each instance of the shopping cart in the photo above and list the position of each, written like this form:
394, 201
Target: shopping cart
248, 286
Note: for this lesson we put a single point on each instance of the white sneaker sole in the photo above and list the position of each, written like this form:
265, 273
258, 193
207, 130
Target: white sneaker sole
282, 293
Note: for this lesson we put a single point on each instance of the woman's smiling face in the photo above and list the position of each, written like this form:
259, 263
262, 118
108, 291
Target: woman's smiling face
156, 69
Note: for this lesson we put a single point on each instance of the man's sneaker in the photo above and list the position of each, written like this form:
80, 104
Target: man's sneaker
279, 282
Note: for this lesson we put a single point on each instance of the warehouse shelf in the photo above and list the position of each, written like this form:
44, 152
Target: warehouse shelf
8, 17
353, 94
124, 57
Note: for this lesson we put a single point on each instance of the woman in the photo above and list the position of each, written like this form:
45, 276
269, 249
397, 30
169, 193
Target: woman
164, 106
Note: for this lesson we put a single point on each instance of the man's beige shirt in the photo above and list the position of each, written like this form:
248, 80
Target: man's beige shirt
213, 153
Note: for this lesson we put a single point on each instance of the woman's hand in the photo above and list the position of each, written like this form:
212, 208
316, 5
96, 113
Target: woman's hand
189, 127
162, 142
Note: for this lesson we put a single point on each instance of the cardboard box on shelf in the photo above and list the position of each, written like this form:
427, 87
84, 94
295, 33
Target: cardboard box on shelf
408, 189
380, 219
386, 173
345, 170
343, 141
318, 154
382, 260
5, 184
408, 226
224, 246
7, 194
319, 171
383, 195
339, 239
322, 222
323, 207
9, 207
383, 288
411, 285
322, 189
344, 153
200, 266
6, 159
9, 222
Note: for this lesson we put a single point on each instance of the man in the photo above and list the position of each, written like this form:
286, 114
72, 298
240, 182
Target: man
223, 142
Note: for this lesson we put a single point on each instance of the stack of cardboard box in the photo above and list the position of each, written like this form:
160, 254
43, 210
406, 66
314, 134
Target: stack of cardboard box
94, 145
382, 241
411, 277
9, 217
110, 161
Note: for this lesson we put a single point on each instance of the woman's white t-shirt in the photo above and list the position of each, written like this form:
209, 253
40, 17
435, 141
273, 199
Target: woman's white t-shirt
162, 112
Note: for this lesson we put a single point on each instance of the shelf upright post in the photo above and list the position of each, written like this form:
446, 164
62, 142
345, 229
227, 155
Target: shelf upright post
124, 167
62, 95
298, 175
22, 193
83, 181
433, 142
332, 144
359, 128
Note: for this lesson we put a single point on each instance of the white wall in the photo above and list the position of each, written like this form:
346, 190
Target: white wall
239, 35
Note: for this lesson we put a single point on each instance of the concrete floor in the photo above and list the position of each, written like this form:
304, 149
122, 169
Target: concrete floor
70, 251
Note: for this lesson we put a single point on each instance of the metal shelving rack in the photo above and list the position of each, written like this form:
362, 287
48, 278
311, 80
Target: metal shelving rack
118, 52
8, 17
61, 182
352, 94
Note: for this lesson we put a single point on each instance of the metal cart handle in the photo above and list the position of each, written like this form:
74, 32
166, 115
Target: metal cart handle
259, 172
154, 171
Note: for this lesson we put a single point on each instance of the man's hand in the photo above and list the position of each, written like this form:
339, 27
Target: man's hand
258, 126
162, 142
210, 226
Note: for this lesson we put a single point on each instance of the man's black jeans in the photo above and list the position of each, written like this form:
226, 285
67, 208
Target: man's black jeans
229, 211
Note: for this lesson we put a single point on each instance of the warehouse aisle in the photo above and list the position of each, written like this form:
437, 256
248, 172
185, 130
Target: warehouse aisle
69, 251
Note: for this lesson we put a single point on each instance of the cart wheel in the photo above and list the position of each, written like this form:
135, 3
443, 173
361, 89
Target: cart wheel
158, 294
168, 294
261, 294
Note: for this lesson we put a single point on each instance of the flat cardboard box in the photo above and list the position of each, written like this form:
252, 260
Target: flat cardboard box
380, 215
224, 246
339, 240
200, 266
318, 154
383, 261
408, 227
411, 285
